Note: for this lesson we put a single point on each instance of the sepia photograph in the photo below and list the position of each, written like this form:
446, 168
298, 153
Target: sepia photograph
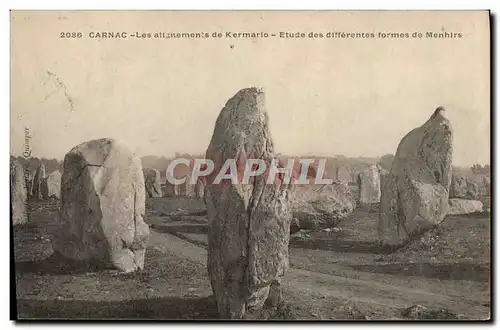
250, 165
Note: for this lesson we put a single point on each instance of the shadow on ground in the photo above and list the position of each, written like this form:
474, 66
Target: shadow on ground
56, 264
345, 246
156, 308
173, 228
455, 271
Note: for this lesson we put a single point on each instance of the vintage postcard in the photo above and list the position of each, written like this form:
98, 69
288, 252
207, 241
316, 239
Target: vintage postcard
270, 165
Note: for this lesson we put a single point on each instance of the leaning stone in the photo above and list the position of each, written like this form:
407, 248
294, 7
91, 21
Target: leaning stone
415, 195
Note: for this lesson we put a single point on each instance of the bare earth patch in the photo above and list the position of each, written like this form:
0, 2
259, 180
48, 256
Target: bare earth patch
337, 273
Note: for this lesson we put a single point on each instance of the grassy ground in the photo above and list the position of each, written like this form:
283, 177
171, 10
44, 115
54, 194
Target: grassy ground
335, 274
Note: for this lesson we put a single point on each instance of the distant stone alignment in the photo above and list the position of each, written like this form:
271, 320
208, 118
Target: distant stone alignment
199, 188
369, 185
464, 206
103, 206
248, 223
18, 194
171, 190
152, 182
37, 181
51, 185
30, 176
415, 193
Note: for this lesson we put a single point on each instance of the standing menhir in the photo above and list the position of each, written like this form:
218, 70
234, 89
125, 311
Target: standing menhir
458, 188
181, 172
152, 182
369, 185
415, 194
37, 181
248, 223
178, 175
18, 194
103, 206
186, 188
199, 188
30, 176
51, 185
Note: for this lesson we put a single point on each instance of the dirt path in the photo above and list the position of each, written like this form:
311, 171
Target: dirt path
333, 281
367, 294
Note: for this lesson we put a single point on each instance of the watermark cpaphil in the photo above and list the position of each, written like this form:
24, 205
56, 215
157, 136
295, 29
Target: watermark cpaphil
241, 170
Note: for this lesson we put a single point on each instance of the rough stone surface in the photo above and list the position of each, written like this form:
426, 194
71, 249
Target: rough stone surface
464, 206
419, 312
18, 194
103, 206
152, 182
248, 223
51, 185
369, 185
321, 207
415, 195
37, 181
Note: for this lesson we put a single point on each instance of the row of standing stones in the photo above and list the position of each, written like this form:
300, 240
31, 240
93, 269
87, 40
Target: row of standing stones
103, 191
152, 180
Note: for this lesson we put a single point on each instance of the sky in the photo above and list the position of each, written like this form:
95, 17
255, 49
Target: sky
324, 96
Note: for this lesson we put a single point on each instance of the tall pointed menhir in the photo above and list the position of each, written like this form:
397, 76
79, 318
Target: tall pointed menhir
414, 197
248, 223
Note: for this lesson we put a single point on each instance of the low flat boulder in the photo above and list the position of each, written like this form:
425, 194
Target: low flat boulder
464, 206
320, 207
